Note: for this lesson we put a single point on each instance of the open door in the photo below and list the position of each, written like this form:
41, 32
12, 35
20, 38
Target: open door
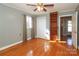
65, 28
53, 26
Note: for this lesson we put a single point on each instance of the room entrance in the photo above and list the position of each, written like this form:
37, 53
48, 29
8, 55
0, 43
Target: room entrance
65, 28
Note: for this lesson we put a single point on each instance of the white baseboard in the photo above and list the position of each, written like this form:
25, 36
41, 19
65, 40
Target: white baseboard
62, 41
5, 47
29, 38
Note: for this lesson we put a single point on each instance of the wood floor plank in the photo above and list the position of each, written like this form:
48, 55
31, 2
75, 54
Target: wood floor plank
40, 47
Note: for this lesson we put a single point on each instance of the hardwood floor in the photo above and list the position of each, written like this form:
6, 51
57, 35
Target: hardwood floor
40, 47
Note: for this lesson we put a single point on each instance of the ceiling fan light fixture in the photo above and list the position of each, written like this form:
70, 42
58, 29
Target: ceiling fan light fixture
39, 8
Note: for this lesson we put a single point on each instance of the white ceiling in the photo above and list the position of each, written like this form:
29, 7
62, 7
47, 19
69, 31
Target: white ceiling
60, 7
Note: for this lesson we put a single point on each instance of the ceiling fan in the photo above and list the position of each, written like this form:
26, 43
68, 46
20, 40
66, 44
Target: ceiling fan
41, 6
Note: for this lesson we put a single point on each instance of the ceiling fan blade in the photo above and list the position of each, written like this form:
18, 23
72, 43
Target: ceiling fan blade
35, 9
30, 5
45, 9
49, 5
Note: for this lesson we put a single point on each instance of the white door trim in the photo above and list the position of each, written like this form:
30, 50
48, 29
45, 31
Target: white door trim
59, 23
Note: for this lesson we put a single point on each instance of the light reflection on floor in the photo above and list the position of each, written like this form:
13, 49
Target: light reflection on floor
30, 53
46, 47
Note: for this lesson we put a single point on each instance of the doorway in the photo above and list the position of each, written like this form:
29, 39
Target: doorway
65, 28
53, 26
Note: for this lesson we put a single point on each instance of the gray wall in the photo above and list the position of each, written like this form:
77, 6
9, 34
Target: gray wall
11, 26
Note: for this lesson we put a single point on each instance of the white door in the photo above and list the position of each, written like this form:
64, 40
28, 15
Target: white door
74, 30
41, 28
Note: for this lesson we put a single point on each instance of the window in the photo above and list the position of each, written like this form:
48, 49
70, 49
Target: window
29, 21
69, 26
